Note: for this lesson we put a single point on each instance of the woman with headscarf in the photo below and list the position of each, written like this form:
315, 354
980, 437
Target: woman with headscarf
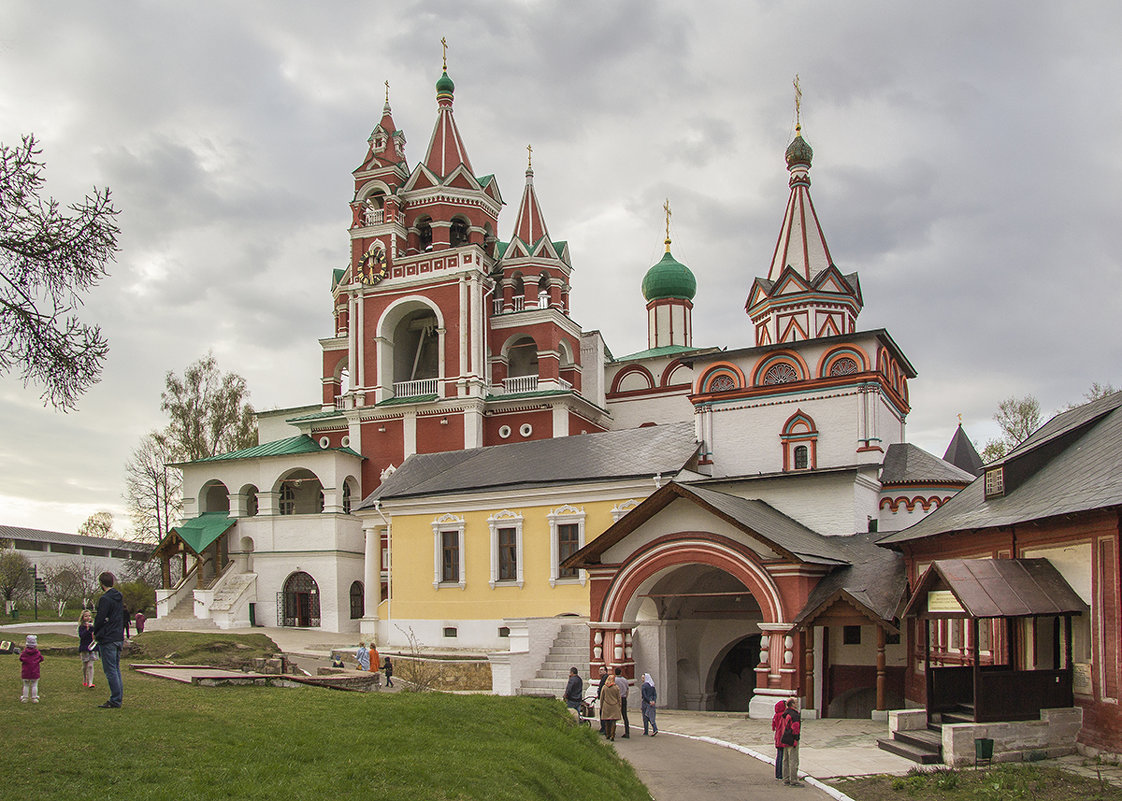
649, 696
776, 722
610, 706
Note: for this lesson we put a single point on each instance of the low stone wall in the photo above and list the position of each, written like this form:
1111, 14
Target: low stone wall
1028, 740
446, 675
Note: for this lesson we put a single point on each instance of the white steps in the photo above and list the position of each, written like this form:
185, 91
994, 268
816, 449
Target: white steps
569, 649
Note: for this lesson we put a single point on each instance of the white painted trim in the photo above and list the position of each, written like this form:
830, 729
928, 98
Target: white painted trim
499, 520
564, 515
447, 522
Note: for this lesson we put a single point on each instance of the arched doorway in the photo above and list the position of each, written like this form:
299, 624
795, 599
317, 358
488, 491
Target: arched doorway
734, 677
299, 601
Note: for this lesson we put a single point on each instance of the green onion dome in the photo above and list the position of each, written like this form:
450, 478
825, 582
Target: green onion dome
669, 279
799, 152
444, 85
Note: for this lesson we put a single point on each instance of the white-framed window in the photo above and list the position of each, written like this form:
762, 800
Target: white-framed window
566, 537
619, 510
506, 549
448, 552
287, 500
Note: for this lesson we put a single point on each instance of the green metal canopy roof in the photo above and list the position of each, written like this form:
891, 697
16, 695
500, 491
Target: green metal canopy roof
199, 532
292, 446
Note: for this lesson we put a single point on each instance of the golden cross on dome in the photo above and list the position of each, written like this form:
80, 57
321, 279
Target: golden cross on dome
798, 104
529, 157
387, 92
666, 208
444, 44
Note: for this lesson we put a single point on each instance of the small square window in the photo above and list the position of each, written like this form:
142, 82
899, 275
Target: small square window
504, 631
851, 635
450, 631
891, 639
995, 483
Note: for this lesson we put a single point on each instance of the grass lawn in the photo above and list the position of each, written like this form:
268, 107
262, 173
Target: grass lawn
1007, 782
177, 741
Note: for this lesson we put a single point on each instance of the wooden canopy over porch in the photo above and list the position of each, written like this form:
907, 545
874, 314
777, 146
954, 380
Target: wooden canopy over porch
204, 538
1006, 590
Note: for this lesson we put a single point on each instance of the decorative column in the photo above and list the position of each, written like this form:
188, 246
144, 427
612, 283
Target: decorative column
777, 673
881, 672
611, 647
372, 578
808, 676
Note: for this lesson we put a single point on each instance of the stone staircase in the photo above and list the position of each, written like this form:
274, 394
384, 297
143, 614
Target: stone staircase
232, 589
181, 618
925, 746
569, 648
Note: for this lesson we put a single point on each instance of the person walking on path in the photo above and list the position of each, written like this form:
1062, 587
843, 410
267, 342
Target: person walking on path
109, 631
140, 618
86, 647
574, 690
790, 729
600, 693
649, 695
363, 657
780, 708
388, 668
623, 685
29, 660
610, 707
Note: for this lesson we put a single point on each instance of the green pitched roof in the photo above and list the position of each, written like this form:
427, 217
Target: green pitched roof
665, 350
293, 446
199, 532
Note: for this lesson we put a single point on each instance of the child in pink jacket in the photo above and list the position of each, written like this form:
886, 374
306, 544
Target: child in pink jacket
29, 659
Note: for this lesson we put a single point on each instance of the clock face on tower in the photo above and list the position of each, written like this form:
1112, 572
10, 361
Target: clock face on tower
372, 267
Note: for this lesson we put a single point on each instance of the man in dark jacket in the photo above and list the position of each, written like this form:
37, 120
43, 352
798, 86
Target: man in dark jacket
790, 730
109, 632
574, 690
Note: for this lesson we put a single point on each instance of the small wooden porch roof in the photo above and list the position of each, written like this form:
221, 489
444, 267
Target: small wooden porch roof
993, 588
197, 533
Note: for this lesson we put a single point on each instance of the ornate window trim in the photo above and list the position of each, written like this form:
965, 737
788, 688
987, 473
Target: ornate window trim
501, 520
447, 522
561, 516
798, 432
622, 508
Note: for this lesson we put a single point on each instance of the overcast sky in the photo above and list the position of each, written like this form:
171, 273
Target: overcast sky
967, 159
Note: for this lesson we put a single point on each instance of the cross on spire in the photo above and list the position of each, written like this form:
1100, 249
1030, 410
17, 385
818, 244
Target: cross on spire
529, 157
444, 45
666, 208
798, 104
387, 93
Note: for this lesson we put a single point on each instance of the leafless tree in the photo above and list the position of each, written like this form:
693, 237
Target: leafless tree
99, 524
49, 259
153, 490
15, 580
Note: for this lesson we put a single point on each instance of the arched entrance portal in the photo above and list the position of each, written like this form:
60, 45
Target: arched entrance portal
704, 622
299, 601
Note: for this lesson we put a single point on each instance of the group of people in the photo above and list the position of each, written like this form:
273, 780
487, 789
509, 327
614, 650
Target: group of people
612, 693
368, 659
99, 636
787, 725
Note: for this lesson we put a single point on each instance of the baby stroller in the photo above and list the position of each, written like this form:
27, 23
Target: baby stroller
587, 712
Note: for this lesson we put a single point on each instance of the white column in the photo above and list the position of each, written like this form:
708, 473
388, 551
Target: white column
352, 353
372, 578
475, 366
464, 346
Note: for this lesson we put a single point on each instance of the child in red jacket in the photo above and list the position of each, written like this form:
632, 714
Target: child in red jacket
29, 659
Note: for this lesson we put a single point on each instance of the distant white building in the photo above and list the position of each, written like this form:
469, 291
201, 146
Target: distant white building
49, 549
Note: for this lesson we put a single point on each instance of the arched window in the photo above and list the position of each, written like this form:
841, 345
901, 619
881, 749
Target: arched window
251, 504
357, 600
802, 457
844, 366
424, 234
346, 498
458, 233
287, 500
799, 439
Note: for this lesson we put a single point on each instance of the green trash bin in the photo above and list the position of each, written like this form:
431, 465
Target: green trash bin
983, 751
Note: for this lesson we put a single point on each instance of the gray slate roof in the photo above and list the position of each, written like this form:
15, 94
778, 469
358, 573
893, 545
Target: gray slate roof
874, 579
962, 453
630, 453
905, 463
38, 535
754, 517
1081, 470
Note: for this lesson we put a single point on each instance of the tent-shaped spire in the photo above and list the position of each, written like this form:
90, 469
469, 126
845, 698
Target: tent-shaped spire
801, 244
962, 454
529, 225
446, 149
387, 143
